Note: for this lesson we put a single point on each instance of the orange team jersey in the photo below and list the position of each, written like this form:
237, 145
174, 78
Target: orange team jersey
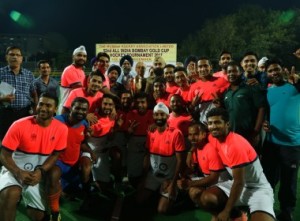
221, 74
33, 144
208, 159
166, 143
163, 148
94, 101
165, 99
106, 82
72, 75
144, 122
184, 93
181, 122
76, 134
235, 151
171, 88
207, 88
27, 136
103, 126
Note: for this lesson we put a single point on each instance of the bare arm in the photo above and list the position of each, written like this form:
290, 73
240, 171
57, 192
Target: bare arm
23, 176
259, 119
202, 183
8, 162
86, 148
207, 181
179, 165
49, 163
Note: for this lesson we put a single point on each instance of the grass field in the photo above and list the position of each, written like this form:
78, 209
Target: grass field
101, 210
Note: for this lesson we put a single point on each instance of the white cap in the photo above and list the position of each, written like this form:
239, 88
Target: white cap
161, 107
80, 49
262, 61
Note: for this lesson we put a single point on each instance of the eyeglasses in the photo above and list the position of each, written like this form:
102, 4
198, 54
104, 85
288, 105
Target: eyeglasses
13, 54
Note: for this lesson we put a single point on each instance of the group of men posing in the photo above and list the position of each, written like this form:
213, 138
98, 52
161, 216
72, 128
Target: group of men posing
159, 132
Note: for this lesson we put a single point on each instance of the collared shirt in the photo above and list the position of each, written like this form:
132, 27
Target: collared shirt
22, 82
243, 105
52, 87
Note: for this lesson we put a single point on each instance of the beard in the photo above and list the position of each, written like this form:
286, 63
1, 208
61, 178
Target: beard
160, 122
78, 117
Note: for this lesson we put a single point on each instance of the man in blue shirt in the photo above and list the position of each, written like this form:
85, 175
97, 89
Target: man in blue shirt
17, 104
45, 83
281, 152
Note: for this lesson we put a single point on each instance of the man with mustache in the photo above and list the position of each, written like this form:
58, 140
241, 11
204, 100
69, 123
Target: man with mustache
137, 124
45, 82
98, 141
16, 103
73, 75
251, 75
29, 150
246, 106
281, 150
66, 167
163, 162
91, 93
225, 58
249, 186
158, 68
203, 92
113, 73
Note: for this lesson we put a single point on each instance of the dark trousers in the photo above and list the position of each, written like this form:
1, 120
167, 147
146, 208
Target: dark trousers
8, 116
281, 163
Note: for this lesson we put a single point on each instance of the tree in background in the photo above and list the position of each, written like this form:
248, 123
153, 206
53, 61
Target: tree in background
251, 28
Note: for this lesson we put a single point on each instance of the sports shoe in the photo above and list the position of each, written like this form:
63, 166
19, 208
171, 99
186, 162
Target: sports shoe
55, 217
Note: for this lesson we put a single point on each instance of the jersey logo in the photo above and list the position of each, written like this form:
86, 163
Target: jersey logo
52, 138
28, 167
163, 167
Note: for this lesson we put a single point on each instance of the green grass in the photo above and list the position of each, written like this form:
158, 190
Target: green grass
101, 211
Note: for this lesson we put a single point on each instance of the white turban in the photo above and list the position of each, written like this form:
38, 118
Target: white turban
161, 107
79, 49
262, 61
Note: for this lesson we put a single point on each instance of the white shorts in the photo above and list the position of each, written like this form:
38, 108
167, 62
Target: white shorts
257, 199
101, 169
154, 183
135, 155
32, 195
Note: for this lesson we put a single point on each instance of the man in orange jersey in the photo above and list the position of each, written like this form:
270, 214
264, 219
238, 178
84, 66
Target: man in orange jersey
171, 86
99, 144
66, 170
164, 161
181, 80
203, 92
249, 185
205, 158
73, 75
29, 150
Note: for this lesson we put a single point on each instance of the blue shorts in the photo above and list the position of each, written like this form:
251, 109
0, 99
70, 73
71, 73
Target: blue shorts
70, 175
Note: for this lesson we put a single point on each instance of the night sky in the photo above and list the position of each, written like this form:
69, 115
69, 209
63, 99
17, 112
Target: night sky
86, 22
